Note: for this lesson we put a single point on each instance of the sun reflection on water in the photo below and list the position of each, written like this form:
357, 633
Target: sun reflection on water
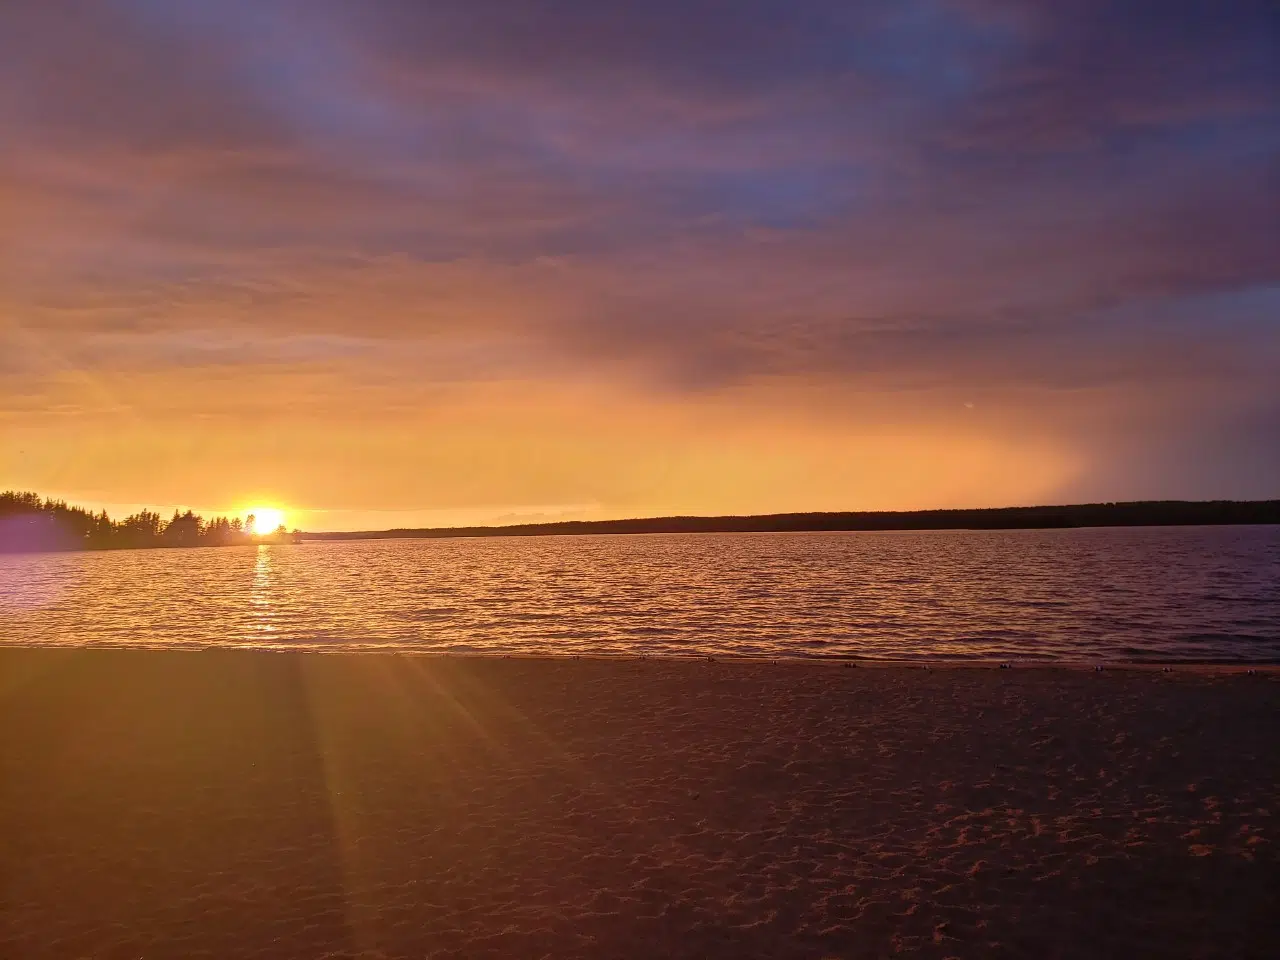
262, 613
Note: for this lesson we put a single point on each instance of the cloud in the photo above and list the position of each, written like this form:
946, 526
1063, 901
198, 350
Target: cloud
1019, 202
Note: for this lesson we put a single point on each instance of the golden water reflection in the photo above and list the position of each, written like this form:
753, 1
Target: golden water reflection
262, 612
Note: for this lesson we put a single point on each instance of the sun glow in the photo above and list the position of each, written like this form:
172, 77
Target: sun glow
264, 520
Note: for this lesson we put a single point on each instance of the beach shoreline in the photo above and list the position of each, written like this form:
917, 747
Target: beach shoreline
1186, 666
385, 805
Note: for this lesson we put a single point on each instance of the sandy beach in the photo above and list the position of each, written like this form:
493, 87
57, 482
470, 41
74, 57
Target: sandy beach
224, 805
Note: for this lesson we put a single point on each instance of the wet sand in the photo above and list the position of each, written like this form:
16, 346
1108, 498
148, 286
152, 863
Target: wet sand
228, 805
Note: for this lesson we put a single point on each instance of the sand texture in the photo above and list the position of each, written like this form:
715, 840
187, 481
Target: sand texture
226, 805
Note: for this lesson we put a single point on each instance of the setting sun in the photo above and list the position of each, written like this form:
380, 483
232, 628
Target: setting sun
265, 519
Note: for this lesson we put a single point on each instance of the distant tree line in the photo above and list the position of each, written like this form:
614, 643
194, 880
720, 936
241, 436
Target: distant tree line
1141, 513
28, 523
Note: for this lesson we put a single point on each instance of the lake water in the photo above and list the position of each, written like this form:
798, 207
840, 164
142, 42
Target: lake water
1135, 594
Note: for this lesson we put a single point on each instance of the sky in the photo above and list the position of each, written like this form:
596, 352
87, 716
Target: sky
399, 263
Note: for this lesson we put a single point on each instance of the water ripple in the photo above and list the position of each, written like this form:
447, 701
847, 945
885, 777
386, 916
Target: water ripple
1203, 594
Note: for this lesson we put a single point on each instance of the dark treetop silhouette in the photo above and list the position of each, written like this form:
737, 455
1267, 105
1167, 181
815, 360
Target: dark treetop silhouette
28, 523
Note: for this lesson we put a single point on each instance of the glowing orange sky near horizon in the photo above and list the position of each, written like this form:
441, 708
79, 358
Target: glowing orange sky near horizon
538, 452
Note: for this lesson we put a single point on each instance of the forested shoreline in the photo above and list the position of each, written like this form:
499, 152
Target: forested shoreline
1140, 513
29, 523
